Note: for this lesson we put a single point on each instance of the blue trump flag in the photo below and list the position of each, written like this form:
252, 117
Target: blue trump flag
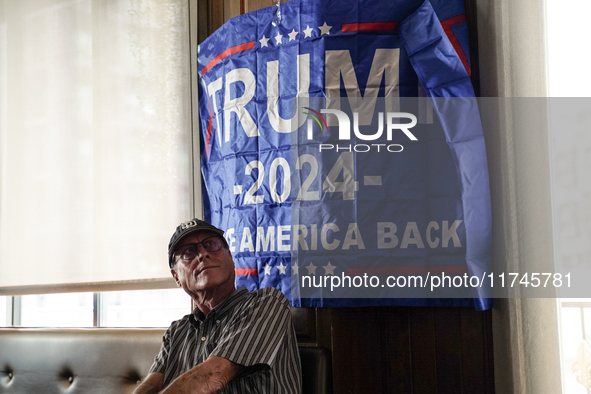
343, 154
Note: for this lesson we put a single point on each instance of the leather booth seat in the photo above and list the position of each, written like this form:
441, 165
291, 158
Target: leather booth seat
104, 361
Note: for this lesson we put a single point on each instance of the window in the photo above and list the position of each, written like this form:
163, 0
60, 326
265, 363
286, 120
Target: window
569, 84
96, 160
4, 311
133, 308
57, 310
145, 308
95, 140
575, 319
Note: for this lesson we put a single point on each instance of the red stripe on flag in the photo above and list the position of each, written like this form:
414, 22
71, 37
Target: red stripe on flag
226, 53
213, 62
209, 127
447, 24
246, 271
407, 270
369, 26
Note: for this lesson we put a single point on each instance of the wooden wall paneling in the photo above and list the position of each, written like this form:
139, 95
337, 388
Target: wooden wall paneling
203, 20
324, 327
447, 346
472, 354
489, 370
304, 322
216, 15
476, 350
357, 351
252, 5
398, 349
470, 6
212, 14
408, 349
423, 351
312, 326
384, 355
232, 8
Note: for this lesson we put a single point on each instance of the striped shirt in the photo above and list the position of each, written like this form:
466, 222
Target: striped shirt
250, 329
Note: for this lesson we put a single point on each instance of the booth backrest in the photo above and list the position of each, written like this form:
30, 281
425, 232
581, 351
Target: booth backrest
103, 361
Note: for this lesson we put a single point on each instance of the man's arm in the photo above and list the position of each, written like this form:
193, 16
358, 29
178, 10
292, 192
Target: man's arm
151, 385
211, 376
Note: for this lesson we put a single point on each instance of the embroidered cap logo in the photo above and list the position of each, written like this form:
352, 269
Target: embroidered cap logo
189, 224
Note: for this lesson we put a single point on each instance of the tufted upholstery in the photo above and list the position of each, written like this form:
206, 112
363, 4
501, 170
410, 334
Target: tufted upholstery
102, 361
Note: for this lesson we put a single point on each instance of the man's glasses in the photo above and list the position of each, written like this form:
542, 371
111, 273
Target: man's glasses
190, 251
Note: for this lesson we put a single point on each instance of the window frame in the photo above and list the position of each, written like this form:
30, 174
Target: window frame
14, 311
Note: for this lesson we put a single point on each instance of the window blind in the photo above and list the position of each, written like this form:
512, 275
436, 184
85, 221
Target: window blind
95, 141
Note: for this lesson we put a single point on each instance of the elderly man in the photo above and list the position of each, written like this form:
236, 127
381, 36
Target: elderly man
234, 341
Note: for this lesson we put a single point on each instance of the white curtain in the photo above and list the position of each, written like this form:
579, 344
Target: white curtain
95, 139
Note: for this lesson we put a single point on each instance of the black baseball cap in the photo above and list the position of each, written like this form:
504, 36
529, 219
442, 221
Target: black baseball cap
188, 228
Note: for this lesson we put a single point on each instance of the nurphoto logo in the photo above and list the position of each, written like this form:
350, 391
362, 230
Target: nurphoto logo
392, 120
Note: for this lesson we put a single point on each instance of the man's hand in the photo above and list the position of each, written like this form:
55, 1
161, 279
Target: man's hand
211, 376
151, 385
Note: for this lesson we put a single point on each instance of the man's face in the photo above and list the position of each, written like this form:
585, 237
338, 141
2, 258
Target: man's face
207, 270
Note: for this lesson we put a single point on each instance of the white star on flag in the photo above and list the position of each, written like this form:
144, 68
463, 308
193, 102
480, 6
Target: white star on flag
264, 41
295, 269
324, 29
267, 269
278, 38
281, 268
329, 269
311, 269
308, 31
292, 35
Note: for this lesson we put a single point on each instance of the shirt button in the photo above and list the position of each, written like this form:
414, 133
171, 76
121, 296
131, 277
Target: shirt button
217, 322
203, 339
